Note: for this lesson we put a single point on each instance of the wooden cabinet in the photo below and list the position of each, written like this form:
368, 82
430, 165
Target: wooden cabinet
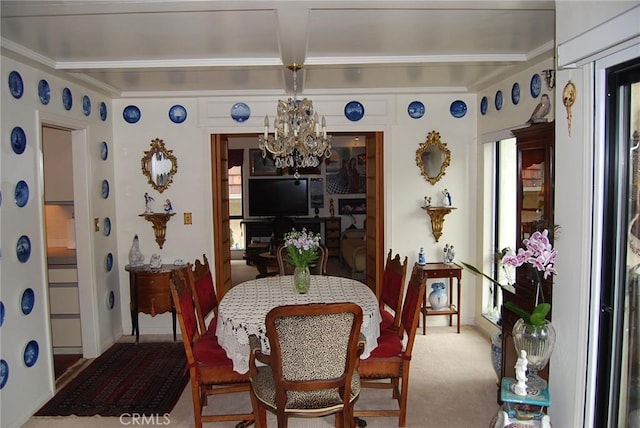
332, 231
150, 293
534, 211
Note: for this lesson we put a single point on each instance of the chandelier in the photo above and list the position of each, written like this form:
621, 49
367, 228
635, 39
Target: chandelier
298, 139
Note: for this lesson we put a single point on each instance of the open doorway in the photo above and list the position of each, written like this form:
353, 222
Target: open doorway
372, 221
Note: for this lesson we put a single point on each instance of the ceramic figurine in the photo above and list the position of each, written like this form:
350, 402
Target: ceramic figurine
168, 208
155, 262
332, 209
148, 200
427, 201
422, 260
445, 254
446, 198
520, 388
451, 253
136, 258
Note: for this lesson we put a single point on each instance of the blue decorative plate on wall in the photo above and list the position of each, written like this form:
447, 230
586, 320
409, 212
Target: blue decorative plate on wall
106, 226
108, 262
536, 85
18, 140
515, 93
44, 92
354, 111
4, 373
484, 105
67, 99
240, 112
178, 113
458, 108
104, 150
131, 114
1, 313
16, 86
104, 189
21, 193
86, 105
111, 299
415, 109
23, 248
103, 111
27, 301
498, 100
31, 352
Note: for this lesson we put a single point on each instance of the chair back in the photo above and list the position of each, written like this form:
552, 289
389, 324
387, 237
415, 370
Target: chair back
319, 267
314, 347
279, 227
412, 306
204, 292
393, 281
185, 310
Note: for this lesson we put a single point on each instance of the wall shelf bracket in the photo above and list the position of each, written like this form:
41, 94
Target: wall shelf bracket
159, 221
437, 218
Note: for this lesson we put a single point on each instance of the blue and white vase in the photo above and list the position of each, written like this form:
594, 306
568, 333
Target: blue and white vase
438, 297
422, 259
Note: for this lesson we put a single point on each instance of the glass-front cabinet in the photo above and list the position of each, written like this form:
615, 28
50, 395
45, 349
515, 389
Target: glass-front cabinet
534, 212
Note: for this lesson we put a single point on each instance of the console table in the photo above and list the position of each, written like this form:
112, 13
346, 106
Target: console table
150, 292
441, 270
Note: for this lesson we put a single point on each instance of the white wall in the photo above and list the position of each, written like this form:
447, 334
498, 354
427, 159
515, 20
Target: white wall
28, 388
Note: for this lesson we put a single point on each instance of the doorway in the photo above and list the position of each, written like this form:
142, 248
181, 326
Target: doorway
374, 202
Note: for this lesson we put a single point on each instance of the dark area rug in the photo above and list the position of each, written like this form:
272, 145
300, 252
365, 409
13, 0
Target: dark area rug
144, 378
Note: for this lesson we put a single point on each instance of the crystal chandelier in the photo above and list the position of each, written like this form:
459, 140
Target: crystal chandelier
298, 139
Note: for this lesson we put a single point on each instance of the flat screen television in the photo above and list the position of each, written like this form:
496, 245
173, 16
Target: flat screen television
273, 197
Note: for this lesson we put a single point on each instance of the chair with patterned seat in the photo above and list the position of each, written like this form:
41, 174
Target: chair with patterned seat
204, 295
388, 364
210, 370
311, 368
392, 291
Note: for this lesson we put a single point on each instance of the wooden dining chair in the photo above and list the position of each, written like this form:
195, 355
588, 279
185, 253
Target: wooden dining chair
204, 295
392, 292
311, 369
210, 370
319, 267
389, 363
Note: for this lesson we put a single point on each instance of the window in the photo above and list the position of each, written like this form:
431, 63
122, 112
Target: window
235, 206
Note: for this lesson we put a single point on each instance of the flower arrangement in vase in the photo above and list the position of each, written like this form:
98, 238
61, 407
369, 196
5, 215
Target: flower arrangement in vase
532, 332
302, 248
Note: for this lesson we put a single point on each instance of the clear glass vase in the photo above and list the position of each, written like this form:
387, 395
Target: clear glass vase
301, 279
538, 342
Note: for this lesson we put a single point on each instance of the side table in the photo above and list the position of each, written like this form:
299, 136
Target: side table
527, 410
442, 270
150, 293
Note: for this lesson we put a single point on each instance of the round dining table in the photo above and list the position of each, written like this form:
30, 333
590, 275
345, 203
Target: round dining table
243, 310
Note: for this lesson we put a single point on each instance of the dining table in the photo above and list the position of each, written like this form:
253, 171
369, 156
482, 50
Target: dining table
243, 309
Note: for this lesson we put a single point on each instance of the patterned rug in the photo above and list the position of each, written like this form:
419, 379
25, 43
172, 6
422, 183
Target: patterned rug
144, 378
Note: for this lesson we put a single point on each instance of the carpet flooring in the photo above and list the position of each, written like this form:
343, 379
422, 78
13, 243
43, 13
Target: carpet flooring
144, 378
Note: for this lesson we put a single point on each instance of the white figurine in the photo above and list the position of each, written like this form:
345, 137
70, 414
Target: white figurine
446, 198
148, 200
136, 258
168, 208
520, 388
427, 201
451, 254
445, 254
156, 261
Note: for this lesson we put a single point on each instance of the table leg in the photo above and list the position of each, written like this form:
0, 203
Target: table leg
136, 326
173, 315
450, 296
424, 314
458, 308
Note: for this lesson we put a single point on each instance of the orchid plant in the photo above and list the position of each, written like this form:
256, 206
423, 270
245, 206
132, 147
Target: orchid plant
302, 247
540, 254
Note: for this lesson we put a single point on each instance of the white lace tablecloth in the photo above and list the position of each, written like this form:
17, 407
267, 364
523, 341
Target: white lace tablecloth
243, 309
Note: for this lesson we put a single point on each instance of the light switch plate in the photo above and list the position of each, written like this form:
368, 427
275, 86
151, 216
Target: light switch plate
187, 218
96, 224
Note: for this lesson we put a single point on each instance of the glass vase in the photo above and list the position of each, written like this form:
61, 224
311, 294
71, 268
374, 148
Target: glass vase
301, 279
538, 343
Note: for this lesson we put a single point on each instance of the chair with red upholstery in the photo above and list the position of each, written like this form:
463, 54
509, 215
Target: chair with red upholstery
210, 370
392, 291
204, 295
389, 363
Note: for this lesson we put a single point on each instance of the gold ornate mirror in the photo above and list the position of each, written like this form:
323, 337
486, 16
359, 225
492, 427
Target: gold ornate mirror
159, 165
433, 157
